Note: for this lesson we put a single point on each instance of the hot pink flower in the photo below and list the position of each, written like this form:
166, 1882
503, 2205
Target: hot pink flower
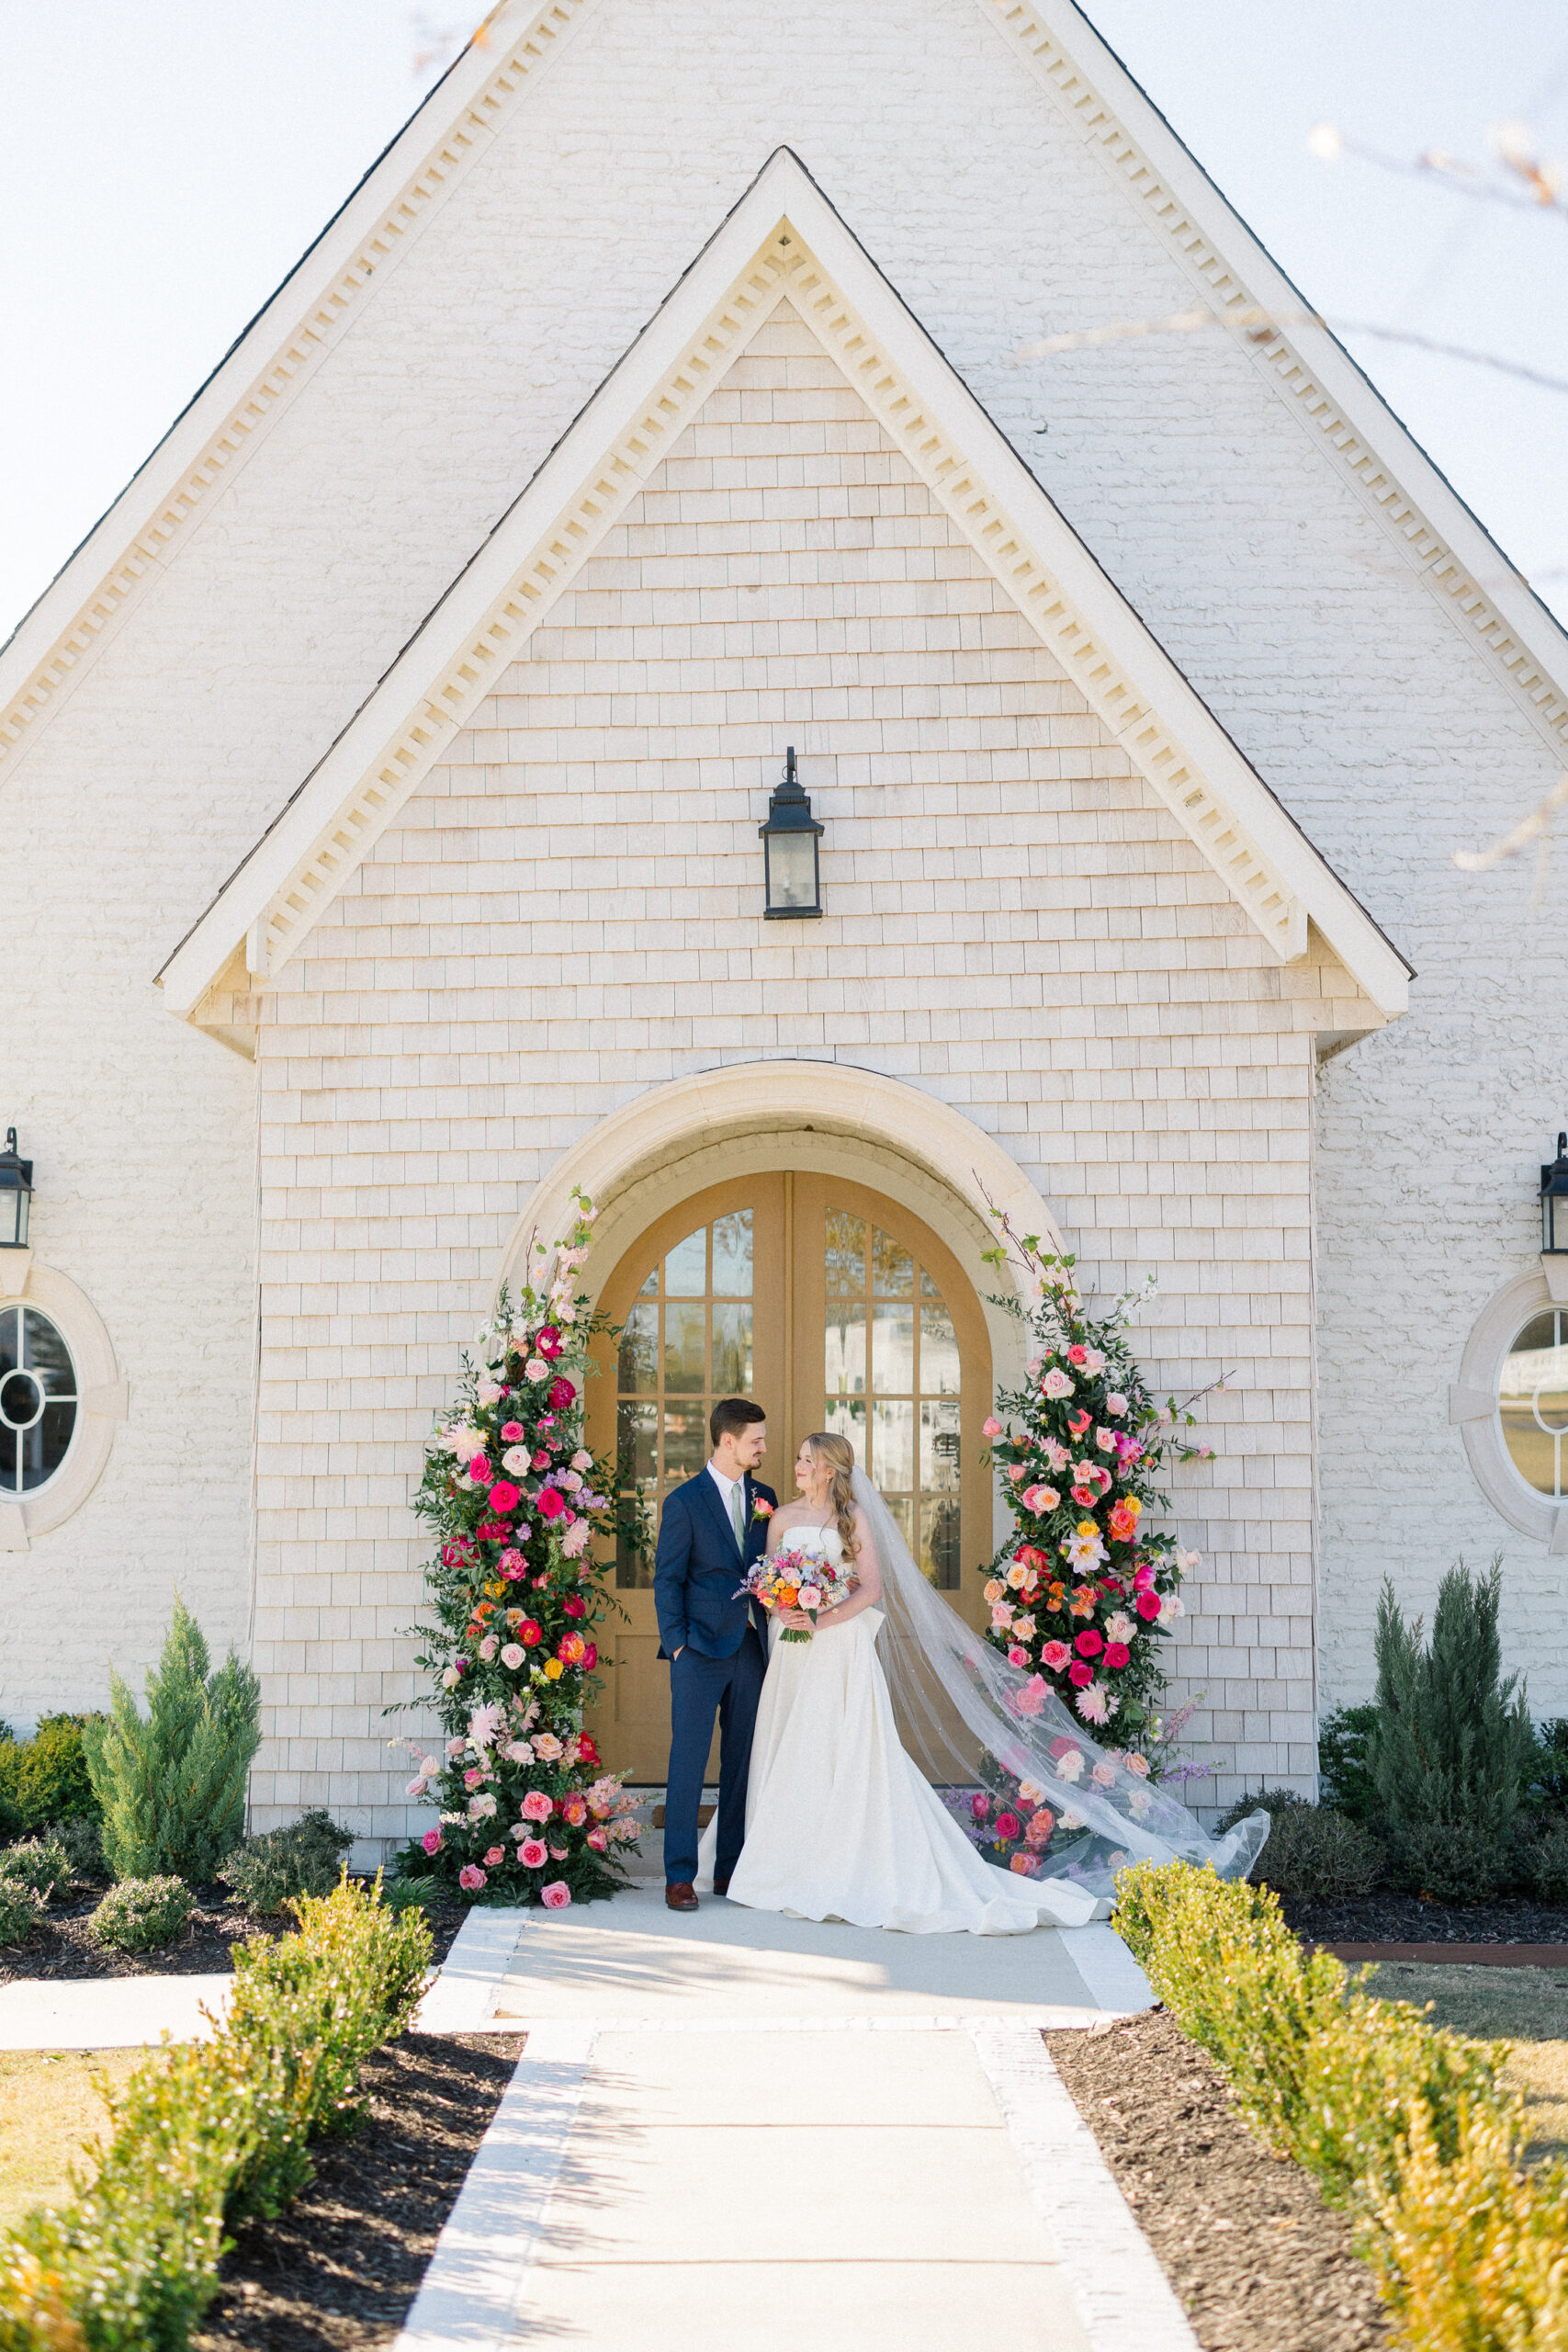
1080, 1674
562, 1392
504, 1497
556, 1896
431, 1841
574, 1606
600, 1840
531, 1853
591, 1657
990, 1425
536, 1807
480, 1470
1076, 1355
1089, 1644
550, 1504
1009, 1826
471, 1878
548, 1344
1056, 1655
980, 1806
1017, 1655
1117, 1653
512, 1431
1148, 1605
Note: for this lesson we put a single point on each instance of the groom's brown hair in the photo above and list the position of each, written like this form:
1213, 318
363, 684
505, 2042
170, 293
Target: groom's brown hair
731, 1416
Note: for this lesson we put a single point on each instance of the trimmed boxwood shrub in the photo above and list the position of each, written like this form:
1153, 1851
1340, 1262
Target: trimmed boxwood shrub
141, 1913
45, 1779
268, 1871
20, 1910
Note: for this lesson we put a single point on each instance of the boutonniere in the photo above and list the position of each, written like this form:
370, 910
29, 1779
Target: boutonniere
759, 1510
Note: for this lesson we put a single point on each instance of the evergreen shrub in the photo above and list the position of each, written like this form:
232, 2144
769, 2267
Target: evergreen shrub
1344, 1774
172, 1783
139, 1914
45, 1779
1409, 2128
21, 1908
42, 1863
267, 1871
1452, 1741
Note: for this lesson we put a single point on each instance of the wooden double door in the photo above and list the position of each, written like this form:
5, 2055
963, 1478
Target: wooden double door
835, 1309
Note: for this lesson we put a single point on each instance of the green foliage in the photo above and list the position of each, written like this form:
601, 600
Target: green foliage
1409, 2128
142, 1913
1273, 1802
83, 1839
208, 2134
1548, 1865
1313, 1850
21, 1908
172, 1784
42, 1863
1452, 1741
1345, 1775
45, 1779
267, 1871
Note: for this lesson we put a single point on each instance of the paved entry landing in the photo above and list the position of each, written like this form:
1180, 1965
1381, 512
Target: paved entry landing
631, 1958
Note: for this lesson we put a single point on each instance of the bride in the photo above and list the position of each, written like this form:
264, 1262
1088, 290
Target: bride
841, 1821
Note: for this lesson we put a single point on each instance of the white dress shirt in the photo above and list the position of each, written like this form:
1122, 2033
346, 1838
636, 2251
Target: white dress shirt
726, 1487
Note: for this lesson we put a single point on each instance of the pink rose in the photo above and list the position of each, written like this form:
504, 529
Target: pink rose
599, 1839
1040, 1499
1026, 1865
1056, 1655
431, 1841
511, 1657
550, 1503
574, 1606
1031, 1698
574, 1810
535, 1806
980, 1806
1056, 1384
1078, 1355
1017, 1655
1089, 1644
1148, 1605
496, 1856
471, 1878
512, 1431
558, 1894
417, 1787
761, 1509
1117, 1653
531, 1853
1040, 1824
559, 1852
990, 1425
1009, 1826
1016, 1471
591, 1657
480, 1470
504, 1497
548, 1344
1080, 1675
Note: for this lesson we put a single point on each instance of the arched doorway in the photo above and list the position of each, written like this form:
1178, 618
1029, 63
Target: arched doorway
835, 1307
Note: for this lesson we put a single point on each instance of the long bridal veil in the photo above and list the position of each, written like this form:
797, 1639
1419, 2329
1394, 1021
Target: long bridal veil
973, 1722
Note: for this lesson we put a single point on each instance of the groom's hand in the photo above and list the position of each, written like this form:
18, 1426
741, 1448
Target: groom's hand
680, 1653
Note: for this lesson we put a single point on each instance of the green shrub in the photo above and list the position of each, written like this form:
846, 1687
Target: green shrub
1273, 1802
42, 1863
45, 1779
1311, 1850
20, 1910
172, 1784
1409, 2128
141, 1913
207, 2134
1451, 1740
83, 1842
1343, 1772
267, 1871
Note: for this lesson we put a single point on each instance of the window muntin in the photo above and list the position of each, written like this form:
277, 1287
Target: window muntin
686, 1341
892, 1380
37, 1400
1532, 1403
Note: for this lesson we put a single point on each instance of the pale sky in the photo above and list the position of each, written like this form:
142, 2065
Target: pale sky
165, 162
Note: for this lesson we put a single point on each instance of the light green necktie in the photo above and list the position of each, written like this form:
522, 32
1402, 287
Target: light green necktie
736, 1511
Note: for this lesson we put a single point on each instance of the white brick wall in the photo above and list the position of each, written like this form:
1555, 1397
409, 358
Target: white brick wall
1267, 577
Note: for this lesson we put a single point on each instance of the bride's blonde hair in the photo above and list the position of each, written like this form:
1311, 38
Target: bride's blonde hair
836, 1454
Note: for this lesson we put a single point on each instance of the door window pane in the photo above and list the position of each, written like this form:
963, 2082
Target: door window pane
900, 1407
1532, 1403
687, 1340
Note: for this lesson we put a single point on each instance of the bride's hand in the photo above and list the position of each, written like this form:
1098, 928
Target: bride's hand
798, 1621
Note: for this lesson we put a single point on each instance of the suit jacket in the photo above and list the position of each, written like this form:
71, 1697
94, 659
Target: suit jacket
697, 1568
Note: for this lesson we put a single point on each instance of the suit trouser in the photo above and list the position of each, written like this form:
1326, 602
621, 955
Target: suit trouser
699, 1688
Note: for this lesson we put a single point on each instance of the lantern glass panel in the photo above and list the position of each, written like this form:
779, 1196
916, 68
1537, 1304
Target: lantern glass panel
792, 873
1554, 1221
14, 1206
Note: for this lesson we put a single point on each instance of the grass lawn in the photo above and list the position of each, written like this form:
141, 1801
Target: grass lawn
1527, 2006
51, 2101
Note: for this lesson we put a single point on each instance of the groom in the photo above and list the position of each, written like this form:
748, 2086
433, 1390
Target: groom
709, 1533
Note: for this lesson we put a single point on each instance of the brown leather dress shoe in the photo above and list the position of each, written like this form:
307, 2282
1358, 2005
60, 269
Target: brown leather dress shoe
681, 1896
721, 1886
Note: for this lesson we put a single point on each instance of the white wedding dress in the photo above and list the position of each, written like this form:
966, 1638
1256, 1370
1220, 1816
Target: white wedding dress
841, 1823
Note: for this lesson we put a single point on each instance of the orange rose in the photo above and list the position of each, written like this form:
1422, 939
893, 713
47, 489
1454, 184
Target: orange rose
788, 1595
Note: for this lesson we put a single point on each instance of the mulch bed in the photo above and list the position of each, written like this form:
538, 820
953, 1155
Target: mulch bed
1256, 2259
60, 1946
1388, 1917
1458, 1955
341, 2269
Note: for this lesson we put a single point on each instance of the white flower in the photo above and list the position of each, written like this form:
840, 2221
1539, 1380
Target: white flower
565, 1313
810, 1596
1072, 1821
1057, 1383
487, 1648
486, 1724
1171, 1605
481, 1807
1069, 1764
1093, 1360
487, 1392
517, 1461
416, 1788
582, 1459
1188, 1561
1116, 1403
1084, 1550
1091, 1703
1120, 1627
546, 1748
519, 1751
511, 1657
1139, 1764
430, 1768
466, 1441
537, 1369
451, 1678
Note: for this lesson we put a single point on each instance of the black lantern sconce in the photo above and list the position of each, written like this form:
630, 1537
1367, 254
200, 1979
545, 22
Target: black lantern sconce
16, 1195
789, 849
1554, 1203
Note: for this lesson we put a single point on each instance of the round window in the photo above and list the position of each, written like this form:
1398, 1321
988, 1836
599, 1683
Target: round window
37, 1400
1532, 1403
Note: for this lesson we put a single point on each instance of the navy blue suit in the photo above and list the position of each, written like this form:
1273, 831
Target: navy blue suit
721, 1637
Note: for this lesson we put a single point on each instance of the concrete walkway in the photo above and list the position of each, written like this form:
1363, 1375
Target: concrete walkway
732, 2132
107, 2012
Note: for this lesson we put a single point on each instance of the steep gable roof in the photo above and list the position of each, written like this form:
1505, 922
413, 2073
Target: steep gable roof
781, 240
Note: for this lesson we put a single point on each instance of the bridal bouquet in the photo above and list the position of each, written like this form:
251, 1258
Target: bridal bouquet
798, 1577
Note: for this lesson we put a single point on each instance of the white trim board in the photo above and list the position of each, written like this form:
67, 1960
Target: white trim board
784, 240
